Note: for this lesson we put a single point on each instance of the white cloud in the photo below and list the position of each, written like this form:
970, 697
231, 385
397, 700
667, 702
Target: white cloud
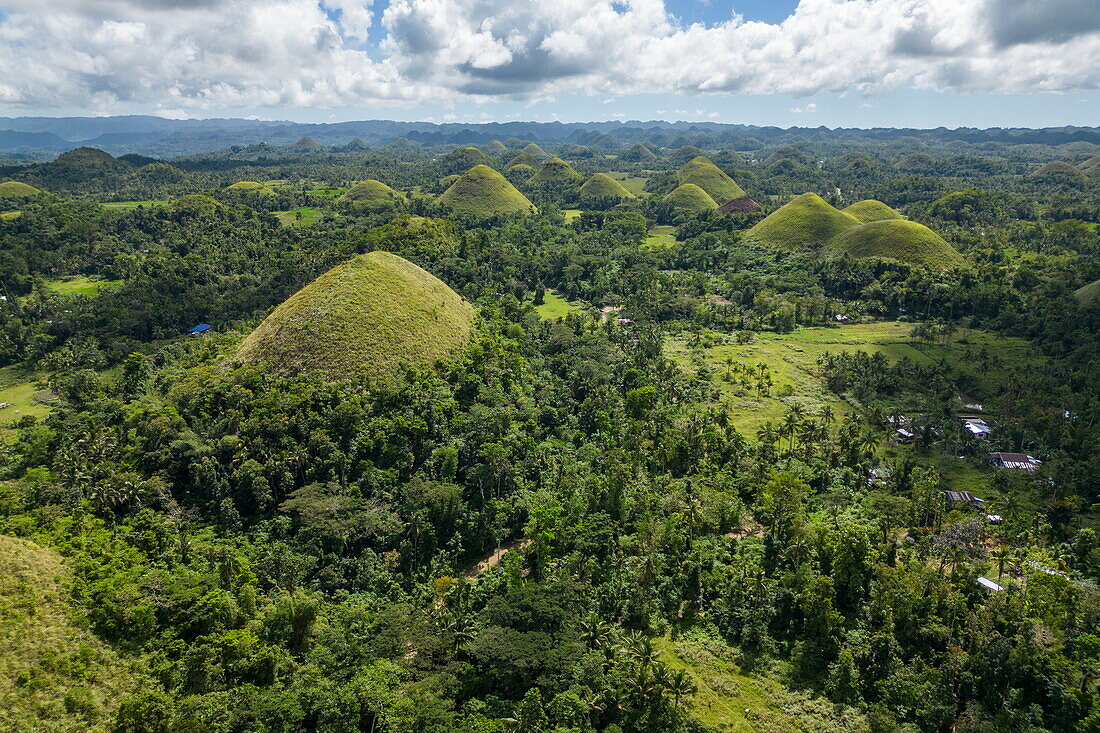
201, 54
809, 109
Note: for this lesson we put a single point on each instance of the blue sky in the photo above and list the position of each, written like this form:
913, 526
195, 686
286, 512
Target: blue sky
851, 63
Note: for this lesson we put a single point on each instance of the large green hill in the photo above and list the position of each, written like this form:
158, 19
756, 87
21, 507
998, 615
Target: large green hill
603, 186
1058, 171
805, 222
555, 170
870, 210
250, 186
523, 159
898, 239
535, 151
371, 316
483, 192
460, 160
372, 195
709, 177
496, 147
638, 153
17, 190
690, 197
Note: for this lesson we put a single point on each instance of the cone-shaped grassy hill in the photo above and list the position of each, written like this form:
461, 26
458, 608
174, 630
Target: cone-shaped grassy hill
709, 177
1057, 170
17, 190
555, 170
371, 316
897, 239
805, 222
496, 147
523, 159
870, 210
690, 197
638, 153
356, 144
461, 160
1091, 166
535, 151
87, 157
371, 194
1089, 294
307, 143
685, 154
483, 192
249, 186
603, 186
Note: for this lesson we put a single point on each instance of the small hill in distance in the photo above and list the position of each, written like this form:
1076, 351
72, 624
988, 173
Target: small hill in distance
535, 151
371, 195
461, 160
83, 157
896, 239
523, 159
685, 154
555, 170
1091, 166
709, 177
689, 197
603, 186
252, 186
1058, 171
356, 144
870, 210
372, 316
307, 143
496, 147
17, 190
743, 205
1088, 295
638, 153
482, 192
804, 222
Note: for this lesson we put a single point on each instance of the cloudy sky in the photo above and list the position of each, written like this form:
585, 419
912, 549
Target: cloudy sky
809, 62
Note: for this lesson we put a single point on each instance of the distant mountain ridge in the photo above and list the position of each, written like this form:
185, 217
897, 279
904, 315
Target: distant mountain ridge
150, 135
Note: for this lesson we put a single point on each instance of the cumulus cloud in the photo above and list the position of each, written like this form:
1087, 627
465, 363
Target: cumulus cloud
196, 54
809, 109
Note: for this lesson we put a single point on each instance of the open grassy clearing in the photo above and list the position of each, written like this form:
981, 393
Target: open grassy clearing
80, 285
129, 205
726, 699
571, 214
308, 215
661, 236
18, 388
791, 360
54, 675
634, 184
555, 306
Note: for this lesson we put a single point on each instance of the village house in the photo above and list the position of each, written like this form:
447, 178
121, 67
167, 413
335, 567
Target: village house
976, 427
963, 497
1016, 462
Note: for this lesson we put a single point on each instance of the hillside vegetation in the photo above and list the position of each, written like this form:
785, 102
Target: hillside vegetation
709, 177
482, 192
54, 675
1089, 294
15, 189
371, 316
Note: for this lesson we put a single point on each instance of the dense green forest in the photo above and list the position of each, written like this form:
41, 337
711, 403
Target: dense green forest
693, 468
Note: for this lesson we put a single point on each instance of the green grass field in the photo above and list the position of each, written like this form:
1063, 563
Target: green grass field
661, 236
791, 360
80, 285
726, 699
129, 205
17, 388
372, 315
54, 674
555, 306
634, 184
571, 214
309, 215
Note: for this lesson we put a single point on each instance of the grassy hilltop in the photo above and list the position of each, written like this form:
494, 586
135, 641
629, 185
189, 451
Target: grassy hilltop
483, 192
601, 185
690, 197
810, 222
1089, 294
15, 189
371, 194
372, 316
709, 177
555, 170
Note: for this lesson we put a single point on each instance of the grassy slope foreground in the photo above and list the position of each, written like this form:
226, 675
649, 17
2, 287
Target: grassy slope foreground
483, 192
54, 675
1088, 294
370, 316
709, 177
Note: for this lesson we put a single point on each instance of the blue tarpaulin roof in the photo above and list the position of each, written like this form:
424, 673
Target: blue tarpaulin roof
202, 327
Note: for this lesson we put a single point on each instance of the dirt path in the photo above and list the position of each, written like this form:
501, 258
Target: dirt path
490, 562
